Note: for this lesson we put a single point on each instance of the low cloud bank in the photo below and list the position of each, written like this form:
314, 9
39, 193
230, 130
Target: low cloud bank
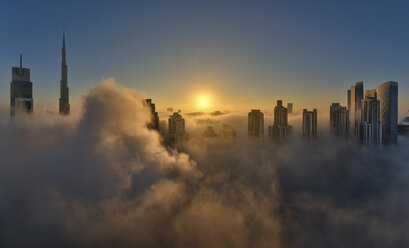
102, 179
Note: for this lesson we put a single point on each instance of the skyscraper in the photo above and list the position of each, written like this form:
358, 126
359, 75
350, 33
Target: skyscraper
64, 94
280, 130
154, 124
370, 127
309, 121
21, 90
348, 100
176, 129
256, 123
290, 108
355, 97
388, 96
338, 120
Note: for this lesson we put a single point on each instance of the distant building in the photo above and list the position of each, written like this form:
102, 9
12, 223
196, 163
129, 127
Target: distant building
348, 101
64, 91
256, 123
21, 90
370, 127
169, 110
309, 121
209, 133
154, 124
355, 97
289, 108
176, 129
280, 130
403, 127
227, 132
388, 96
338, 120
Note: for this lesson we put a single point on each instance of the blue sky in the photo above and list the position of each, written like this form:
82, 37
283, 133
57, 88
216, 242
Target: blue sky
237, 54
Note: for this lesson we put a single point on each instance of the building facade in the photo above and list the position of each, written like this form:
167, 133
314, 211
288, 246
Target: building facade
388, 96
370, 127
154, 124
309, 123
176, 129
280, 131
338, 120
355, 97
21, 90
256, 123
290, 108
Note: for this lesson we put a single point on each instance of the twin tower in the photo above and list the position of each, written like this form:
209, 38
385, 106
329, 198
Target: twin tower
21, 88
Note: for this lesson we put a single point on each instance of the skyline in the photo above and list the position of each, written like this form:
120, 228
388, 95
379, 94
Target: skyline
177, 72
204, 124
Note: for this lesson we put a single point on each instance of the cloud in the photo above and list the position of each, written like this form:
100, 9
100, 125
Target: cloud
101, 178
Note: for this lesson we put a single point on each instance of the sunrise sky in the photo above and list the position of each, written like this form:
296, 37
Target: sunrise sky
235, 55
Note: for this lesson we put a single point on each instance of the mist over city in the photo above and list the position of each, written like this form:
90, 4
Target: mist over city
204, 124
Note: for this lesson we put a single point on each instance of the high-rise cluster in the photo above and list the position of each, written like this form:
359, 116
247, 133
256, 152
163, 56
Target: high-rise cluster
373, 116
371, 119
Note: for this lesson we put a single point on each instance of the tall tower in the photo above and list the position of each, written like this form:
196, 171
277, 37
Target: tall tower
256, 123
370, 127
154, 124
309, 121
176, 129
388, 96
280, 130
338, 120
64, 98
355, 97
21, 90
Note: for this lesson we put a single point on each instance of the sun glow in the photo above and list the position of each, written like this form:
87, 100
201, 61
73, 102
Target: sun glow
203, 102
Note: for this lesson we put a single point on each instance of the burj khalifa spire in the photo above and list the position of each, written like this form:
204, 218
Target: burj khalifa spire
64, 97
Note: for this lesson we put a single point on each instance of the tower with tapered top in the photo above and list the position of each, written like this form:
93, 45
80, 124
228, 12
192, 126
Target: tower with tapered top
64, 97
21, 90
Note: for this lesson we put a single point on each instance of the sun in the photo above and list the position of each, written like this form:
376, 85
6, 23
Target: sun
203, 102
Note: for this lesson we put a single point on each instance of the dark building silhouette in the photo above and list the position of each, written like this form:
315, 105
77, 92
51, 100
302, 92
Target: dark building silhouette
370, 127
280, 130
64, 91
309, 121
388, 96
21, 90
403, 127
355, 97
154, 124
256, 123
176, 129
289, 108
338, 120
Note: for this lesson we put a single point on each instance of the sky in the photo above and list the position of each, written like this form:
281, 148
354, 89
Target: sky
235, 55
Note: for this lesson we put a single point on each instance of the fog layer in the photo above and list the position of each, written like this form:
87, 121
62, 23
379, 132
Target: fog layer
102, 179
